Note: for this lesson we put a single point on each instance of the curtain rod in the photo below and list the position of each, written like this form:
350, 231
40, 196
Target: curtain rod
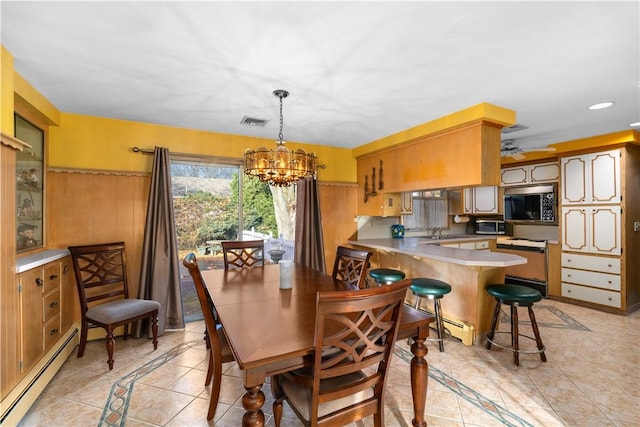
191, 156
200, 156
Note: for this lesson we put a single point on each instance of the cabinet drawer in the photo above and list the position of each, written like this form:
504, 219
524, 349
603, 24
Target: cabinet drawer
51, 277
597, 296
50, 305
595, 263
590, 278
51, 332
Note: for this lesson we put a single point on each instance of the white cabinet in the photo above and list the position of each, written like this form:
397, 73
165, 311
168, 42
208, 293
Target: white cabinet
530, 174
592, 229
594, 279
481, 200
591, 178
592, 267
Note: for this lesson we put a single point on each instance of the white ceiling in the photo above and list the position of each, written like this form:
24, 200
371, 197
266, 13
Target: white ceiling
356, 71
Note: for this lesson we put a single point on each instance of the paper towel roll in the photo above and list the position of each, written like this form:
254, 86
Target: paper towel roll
460, 219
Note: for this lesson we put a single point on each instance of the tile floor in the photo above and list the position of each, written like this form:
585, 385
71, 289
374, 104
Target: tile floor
591, 378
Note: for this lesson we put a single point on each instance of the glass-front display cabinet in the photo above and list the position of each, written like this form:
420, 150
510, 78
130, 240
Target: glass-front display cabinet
29, 186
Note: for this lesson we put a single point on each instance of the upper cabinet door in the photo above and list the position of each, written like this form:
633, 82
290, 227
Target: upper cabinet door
485, 200
530, 174
544, 172
591, 178
514, 176
605, 174
574, 179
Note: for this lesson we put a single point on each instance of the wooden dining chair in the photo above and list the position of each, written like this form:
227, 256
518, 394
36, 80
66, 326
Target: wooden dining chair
351, 266
219, 350
242, 253
355, 333
101, 278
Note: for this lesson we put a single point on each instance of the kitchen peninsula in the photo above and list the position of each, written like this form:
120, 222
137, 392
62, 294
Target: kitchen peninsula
468, 308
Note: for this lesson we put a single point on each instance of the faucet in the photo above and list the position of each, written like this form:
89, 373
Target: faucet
435, 230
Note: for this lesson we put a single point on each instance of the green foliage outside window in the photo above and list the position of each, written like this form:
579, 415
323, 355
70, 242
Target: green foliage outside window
257, 202
201, 216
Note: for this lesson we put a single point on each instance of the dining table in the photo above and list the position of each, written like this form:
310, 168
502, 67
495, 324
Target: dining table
271, 330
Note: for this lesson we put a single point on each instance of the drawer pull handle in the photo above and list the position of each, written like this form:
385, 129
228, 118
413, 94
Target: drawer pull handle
39, 282
609, 281
53, 277
53, 331
65, 270
569, 291
53, 304
609, 298
568, 275
609, 265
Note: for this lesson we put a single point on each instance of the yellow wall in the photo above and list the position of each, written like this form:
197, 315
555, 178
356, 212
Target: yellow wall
89, 142
6, 91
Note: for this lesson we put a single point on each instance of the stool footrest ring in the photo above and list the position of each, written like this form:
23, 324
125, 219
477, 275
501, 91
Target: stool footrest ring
536, 351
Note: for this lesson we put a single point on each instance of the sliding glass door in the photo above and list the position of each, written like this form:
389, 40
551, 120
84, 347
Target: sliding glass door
213, 202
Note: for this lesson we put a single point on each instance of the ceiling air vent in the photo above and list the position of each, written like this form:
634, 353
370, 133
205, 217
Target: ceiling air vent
252, 121
514, 128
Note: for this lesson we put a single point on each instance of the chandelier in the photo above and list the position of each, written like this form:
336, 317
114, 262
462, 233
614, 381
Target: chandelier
280, 167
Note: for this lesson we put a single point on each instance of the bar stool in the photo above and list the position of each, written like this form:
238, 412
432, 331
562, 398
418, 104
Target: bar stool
385, 276
515, 296
432, 289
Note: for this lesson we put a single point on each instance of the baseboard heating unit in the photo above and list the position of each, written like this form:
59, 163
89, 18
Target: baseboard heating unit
18, 401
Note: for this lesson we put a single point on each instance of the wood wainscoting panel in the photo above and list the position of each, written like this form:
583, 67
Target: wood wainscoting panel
338, 211
89, 207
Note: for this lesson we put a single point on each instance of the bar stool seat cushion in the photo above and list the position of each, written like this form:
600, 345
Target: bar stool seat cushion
424, 287
386, 275
514, 293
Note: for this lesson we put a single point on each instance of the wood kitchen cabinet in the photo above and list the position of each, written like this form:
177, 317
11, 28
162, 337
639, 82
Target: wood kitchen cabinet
40, 310
530, 174
9, 296
37, 310
424, 162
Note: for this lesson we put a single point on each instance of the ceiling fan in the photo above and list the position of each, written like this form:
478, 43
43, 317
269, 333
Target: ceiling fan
509, 148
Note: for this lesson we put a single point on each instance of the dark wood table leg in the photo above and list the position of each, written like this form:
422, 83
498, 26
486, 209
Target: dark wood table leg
419, 376
252, 402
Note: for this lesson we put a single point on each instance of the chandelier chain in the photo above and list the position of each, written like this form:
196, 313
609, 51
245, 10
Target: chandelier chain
280, 135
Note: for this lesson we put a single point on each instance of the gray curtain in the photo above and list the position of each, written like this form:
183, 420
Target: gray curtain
309, 247
159, 273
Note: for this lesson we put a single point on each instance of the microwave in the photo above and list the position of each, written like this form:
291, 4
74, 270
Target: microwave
490, 226
531, 204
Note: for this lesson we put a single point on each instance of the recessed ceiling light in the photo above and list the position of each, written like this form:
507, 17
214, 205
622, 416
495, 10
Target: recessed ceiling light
600, 105
636, 124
